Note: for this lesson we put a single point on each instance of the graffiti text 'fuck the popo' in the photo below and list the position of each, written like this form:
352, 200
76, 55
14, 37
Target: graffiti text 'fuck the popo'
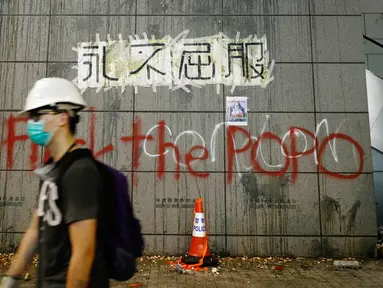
206, 152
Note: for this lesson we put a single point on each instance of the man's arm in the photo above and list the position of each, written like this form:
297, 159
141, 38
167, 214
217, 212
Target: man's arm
83, 241
26, 249
81, 195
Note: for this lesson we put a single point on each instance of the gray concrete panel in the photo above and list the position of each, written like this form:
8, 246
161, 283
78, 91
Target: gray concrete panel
169, 7
345, 246
198, 99
129, 177
374, 25
17, 80
343, 155
264, 7
21, 150
9, 241
371, 6
340, 88
159, 26
288, 37
269, 155
107, 129
335, 7
337, 39
268, 205
191, 129
177, 245
23, 38
291, 90
3, 177
111, 100
166, 205
19, 200
94, 7
24, 7
274, 246
68, 31
351, 215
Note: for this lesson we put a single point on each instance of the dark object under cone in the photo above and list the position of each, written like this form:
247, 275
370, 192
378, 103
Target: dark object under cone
208, 261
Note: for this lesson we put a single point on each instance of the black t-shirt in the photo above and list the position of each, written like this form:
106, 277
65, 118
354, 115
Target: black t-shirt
78, 198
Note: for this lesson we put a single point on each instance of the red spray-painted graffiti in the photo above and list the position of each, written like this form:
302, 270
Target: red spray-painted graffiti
319, 149
252, 145
12, 138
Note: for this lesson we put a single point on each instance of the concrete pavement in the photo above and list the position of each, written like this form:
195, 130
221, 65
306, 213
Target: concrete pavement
154, 271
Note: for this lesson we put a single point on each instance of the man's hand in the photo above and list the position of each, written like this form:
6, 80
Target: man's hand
26, 250
83, 241
10, 282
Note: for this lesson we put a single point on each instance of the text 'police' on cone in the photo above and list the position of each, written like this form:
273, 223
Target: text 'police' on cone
199, 246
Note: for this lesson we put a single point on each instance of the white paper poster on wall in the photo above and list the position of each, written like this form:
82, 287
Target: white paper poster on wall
236, 111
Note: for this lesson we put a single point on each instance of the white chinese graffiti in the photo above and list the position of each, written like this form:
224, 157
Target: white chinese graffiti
174, 62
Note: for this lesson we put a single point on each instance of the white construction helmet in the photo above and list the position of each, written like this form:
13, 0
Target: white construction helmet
56, 92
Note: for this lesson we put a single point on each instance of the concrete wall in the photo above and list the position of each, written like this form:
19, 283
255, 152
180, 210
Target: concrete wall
319, 86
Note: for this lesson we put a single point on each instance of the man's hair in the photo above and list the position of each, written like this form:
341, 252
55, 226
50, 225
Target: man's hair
73, 123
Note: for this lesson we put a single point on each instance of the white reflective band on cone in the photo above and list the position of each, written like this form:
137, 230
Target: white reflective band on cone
199, 225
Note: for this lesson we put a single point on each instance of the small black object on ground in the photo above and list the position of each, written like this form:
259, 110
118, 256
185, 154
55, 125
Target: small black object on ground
208, 261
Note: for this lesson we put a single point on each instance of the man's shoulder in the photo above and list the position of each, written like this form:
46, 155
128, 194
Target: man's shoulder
84, 165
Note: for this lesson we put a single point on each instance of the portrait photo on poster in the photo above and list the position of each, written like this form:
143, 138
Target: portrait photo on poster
236, 111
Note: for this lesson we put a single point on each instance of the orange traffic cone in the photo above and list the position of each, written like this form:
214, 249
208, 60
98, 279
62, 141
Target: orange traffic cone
199, 246
199, 252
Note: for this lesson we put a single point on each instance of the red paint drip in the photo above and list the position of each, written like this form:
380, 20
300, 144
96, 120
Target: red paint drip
134, 179
137, 138
33, 158
231, 151
102, 151
46, 156
12, 138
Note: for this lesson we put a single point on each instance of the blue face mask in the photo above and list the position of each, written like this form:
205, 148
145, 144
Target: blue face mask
35, 131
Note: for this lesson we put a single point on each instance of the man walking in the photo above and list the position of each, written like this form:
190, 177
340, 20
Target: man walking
67, 227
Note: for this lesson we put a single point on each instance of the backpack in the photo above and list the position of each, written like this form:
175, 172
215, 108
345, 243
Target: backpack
123, 239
